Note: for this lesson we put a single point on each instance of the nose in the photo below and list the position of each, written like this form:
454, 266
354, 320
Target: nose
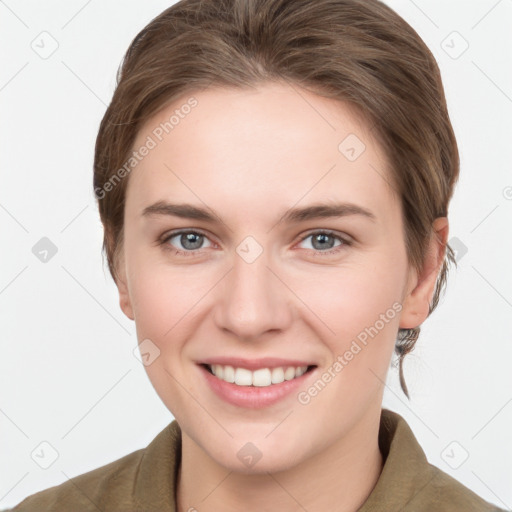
253, 300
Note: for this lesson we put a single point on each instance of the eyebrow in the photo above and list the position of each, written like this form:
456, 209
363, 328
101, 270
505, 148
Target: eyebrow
312, 212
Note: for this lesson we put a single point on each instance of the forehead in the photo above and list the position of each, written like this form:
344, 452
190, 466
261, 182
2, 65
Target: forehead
273, 145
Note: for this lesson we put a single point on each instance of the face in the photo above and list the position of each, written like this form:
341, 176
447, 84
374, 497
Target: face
262, 232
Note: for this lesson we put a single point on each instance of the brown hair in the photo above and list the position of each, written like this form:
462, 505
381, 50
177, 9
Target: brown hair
356, 51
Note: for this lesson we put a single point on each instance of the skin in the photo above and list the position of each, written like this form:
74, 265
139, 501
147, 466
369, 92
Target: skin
249, 156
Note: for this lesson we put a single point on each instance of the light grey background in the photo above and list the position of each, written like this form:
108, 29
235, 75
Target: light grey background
68, 375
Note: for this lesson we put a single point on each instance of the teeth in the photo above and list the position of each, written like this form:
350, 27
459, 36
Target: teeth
262, 377
243, 377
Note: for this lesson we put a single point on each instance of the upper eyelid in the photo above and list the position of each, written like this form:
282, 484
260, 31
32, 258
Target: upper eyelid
171, 234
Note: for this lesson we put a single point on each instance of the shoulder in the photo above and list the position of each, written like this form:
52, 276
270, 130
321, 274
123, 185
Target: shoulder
444, 493
90, 490
410, 483
142, 480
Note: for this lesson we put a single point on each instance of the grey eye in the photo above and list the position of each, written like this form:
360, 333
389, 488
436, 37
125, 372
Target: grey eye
189, 240
321, 241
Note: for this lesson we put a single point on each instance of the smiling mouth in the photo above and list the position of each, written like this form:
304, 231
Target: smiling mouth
263, 377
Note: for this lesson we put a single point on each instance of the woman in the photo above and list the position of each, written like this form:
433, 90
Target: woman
273, 179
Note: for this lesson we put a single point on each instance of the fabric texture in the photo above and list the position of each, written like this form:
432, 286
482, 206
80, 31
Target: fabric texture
145, 480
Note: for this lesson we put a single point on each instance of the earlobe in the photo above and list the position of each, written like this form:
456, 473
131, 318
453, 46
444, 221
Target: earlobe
124, 301
122, 287
416, 304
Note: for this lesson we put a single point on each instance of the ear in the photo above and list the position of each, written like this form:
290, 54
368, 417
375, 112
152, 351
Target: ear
122, 287
415, 307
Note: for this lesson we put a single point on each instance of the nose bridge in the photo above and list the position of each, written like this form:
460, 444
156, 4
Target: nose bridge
253, 300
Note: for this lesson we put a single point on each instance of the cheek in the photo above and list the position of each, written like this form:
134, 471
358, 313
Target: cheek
350, 298
163, 295
156, 303
168, 304
363, 309
361, 306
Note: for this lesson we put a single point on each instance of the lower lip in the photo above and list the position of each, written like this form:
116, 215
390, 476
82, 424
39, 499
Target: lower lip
253, 397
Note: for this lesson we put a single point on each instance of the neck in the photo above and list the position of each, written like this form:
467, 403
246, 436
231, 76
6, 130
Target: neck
344, 474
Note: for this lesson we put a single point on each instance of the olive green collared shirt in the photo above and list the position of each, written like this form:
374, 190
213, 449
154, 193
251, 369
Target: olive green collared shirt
145, 480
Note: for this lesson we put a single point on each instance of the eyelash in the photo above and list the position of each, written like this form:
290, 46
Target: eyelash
345, 242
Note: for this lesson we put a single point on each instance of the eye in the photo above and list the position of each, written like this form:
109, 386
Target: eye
324, 242
186, 242
191, 242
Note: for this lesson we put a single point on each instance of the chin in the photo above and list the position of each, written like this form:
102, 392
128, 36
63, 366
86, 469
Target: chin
278, 462
241, 455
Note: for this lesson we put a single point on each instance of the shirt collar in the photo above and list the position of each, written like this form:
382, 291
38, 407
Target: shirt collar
405, 472
156, 479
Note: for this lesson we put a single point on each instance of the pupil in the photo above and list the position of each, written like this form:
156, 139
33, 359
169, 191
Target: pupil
191, 240
322, 237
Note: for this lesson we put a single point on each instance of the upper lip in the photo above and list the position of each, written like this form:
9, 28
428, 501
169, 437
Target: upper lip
255, 364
